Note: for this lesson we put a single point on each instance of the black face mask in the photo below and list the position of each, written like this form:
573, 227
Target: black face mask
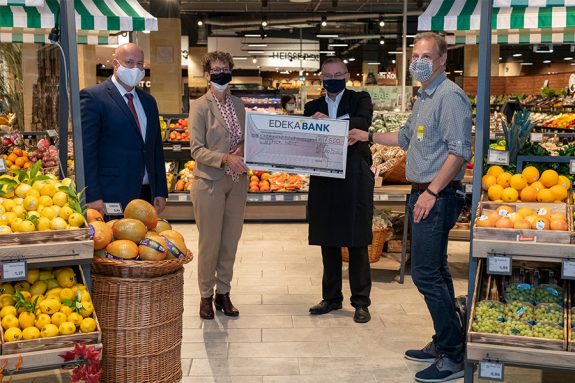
334, 85
221, 78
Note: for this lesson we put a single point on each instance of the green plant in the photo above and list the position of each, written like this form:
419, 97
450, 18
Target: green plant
517, 133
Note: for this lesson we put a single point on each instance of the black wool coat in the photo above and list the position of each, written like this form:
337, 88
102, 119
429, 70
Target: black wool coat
340, 211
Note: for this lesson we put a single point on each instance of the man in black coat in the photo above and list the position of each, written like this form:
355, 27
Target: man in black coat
340, 210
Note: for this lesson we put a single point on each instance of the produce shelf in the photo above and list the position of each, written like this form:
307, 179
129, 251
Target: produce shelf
527, 251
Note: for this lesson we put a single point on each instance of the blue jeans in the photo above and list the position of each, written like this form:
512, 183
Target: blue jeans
430, 271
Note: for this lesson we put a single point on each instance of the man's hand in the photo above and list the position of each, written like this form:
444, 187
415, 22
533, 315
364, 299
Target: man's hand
98, 205
318, 115
236, 163
423, 206
160, 204
357, 135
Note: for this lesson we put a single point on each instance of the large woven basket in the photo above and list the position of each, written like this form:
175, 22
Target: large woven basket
396, 174
380, 236
123, 303
161, 367
138, 269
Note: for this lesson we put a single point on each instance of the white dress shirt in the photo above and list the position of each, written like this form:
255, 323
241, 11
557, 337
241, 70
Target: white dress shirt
332, 105
142, 119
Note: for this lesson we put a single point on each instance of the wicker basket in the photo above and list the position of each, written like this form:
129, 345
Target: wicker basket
132, 303
138, 269
161, 367
396, 174
380, 236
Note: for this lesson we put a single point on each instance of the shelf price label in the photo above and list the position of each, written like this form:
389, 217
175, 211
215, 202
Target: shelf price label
568, 269
572, 166
491, 370
499, 265
468, 188
113, 208
536, 137
14, 271
52, 133
182, 197
177, 148
498, 157
3, 168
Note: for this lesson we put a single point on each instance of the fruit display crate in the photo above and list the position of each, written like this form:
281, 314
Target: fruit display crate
482, 287
53, 245
57, 342
524, 235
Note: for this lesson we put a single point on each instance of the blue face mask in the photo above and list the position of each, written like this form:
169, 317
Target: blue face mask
334, 85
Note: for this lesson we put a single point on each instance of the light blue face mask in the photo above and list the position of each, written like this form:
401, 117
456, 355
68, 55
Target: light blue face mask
421, 69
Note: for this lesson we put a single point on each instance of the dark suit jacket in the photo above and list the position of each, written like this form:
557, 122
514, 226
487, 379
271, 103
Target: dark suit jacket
340, 211
115, 155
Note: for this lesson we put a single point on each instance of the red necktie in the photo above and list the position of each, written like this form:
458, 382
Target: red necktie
130, 97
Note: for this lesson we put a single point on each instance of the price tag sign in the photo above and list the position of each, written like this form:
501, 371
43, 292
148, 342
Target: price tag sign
536, 137
492, 136
499, 265
52, 133
491, 371
279, 197
14, 271
182, 197
568, 269
572, 166
266, 197
177, 148
468, 188
113, 208
498, 157
3, 168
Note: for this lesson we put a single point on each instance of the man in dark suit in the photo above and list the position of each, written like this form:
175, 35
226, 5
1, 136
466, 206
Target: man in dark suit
340, 210
123, 154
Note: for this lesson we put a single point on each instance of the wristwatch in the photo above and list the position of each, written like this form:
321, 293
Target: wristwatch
370, 137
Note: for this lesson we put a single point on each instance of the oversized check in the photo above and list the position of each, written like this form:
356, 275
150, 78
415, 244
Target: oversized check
296, 144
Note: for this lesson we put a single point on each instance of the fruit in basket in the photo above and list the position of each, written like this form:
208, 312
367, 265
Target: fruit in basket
26, 319
102, 234
13, 334
545, 195
519, 328
153, 248
504, 210
559, 192
487, 325
130, 229
122, 249
531, 174
8, 310
494, 192
75, 318
548, 331
42, 320
522, 224
10, 321
518, 182
48, 331
528, 194
143, 211
504, 223
66, 278
487, 181
88, 325
176, 244
163, 225
495, 170
549, 178
30, 333
38, 288
510, 195
50, 306
549, 313
503, 179
66, 328
87, 309
488, 309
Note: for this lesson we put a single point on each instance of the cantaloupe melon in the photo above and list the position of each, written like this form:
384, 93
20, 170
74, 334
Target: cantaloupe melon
131, 229
122, 249
142, 211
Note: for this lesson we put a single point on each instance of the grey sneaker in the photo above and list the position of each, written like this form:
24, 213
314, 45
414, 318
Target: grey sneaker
443, 370
427, 354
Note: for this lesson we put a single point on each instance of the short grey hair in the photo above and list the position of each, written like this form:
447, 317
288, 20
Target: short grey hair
333, 60
440, 42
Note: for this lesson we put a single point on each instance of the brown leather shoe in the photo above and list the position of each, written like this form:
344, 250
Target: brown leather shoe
223, 302
206, 308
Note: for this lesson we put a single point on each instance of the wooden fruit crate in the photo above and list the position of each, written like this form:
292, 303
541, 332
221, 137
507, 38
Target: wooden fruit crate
511, 340
60, 341
53, 244
518, 235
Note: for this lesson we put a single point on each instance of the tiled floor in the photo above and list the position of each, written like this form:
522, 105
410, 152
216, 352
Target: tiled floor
274, 340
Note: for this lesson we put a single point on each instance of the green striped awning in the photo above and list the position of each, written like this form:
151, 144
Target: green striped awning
463, 15
94, 20
532, 3
27, 3
517, 37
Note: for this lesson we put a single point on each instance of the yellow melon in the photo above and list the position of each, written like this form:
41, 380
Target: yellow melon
122, 249
130, 229
142, 211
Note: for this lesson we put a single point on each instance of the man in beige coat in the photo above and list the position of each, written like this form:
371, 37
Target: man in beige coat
220, 189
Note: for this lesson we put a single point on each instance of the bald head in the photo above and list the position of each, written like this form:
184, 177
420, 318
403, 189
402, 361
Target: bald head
129, 49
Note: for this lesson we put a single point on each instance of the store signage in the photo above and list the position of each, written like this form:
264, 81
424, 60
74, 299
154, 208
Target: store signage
296, 144
491, 370
145, 84
14, 271
3, 168
536, 137
527, 237
177, 148
387, 75
52, 133
295, 56
572, 166
498, 157
113, 208
568, 269
499, 265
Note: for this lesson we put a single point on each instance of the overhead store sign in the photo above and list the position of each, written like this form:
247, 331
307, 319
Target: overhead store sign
278, 53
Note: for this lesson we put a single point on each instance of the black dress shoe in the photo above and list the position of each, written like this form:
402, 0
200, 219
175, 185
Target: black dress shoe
223, 302
206, 308
324, 307
361, 315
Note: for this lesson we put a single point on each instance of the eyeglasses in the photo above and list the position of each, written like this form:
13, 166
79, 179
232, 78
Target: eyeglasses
220, 70
336, 76
132, 63
424, 56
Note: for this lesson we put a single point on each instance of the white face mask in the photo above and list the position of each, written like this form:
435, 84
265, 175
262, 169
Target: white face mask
130, 76
290, 107
218, 87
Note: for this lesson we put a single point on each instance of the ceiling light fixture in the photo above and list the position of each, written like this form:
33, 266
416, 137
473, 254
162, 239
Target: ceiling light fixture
381, 41
517, 55
373, 63
252, 35
327, 52
338, 45
351, 59
326, 36
381, 22
546, 61
324, 21
200, 22
255, 45
264, 21
240, 58
254, 60
395, 52
568, 58
526, 64
345, 61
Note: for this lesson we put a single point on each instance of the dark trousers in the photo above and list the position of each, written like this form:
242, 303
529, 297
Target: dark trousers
146, 194
359, 275
430, 271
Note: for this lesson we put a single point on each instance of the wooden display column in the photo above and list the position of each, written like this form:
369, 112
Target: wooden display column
471, 58
30, 69
87, 65
165, 65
